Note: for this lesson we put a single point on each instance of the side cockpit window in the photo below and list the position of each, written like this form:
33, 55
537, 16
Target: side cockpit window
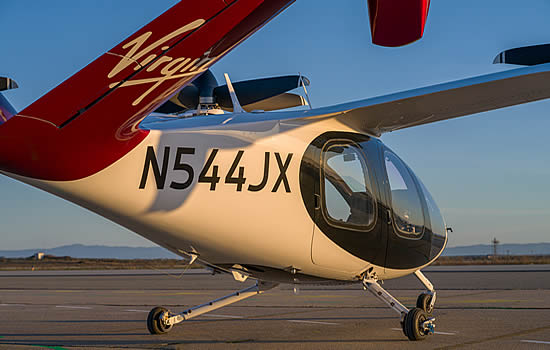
347, 190
405, 199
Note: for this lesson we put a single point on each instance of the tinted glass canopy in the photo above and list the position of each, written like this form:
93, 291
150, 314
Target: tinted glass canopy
347, 191
405, 199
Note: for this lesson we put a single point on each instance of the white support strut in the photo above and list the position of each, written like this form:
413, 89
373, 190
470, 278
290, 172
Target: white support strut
429, 286
372, 286
234, 99
256, 289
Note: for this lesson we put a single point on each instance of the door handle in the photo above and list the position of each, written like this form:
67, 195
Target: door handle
317, 201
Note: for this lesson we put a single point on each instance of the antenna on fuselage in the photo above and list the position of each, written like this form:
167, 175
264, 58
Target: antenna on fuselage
236, 105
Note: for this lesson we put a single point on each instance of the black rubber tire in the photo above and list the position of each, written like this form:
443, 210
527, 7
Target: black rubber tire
154, 324
403, 326
423, 302
413, 321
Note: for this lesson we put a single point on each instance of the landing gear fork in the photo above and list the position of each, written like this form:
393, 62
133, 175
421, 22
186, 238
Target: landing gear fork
426, 300
417, 324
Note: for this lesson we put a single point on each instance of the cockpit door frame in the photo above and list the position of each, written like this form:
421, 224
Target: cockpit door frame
368, 246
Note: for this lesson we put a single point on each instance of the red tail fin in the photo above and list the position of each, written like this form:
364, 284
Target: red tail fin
90, 120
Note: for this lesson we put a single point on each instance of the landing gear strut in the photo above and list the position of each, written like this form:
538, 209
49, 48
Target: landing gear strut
161, 320
426, 300
416, 323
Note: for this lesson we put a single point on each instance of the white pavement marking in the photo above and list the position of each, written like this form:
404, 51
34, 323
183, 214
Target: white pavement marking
223, 316
315, 322
442, 333
132, 310
73, 307
535, 341
12, 305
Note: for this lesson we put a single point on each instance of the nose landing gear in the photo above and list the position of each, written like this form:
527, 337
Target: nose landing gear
417, 323
426, 300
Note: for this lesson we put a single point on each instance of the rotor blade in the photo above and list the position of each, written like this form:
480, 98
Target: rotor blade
282, 101
7, 84
398, 22
252, 91
525, 56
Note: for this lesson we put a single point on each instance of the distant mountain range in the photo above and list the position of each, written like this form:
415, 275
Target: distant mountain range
96, 252
502, 249
106, 252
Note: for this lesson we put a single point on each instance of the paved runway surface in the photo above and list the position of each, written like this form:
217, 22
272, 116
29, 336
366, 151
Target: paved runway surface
478, 307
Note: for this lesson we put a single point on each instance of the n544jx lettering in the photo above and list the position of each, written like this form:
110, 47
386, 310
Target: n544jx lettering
210, 171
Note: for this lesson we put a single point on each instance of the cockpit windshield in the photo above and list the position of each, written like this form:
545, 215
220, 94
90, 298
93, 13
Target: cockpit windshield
406, 204
436, 219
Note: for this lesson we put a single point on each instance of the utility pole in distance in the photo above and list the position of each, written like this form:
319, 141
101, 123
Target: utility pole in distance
495, 244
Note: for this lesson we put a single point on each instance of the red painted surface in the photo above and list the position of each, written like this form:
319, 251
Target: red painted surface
397, 22
87, 123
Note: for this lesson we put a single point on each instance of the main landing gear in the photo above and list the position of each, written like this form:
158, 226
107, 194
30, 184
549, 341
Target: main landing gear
418, 322
161, 320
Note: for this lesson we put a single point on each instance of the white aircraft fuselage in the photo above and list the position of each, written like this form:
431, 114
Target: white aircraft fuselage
304, 196
252, 217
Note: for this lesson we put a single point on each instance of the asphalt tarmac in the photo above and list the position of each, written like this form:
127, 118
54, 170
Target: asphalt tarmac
483, 307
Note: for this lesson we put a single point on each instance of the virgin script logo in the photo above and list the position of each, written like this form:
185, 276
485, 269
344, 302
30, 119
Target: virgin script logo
167, 67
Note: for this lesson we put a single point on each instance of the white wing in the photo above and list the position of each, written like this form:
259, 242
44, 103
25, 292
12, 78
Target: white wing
445, 101
425, 105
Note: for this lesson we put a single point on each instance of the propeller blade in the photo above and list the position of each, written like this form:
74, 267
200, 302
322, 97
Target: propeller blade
252, 91
282, 101
7, 84
251, 94
526, 56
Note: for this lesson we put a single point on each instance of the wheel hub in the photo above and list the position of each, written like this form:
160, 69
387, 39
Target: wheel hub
428, 326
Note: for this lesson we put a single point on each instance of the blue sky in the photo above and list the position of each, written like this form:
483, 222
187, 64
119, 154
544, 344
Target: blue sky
489, 172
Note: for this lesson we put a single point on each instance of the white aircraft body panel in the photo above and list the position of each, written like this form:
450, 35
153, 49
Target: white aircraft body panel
308, 196
237, 231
